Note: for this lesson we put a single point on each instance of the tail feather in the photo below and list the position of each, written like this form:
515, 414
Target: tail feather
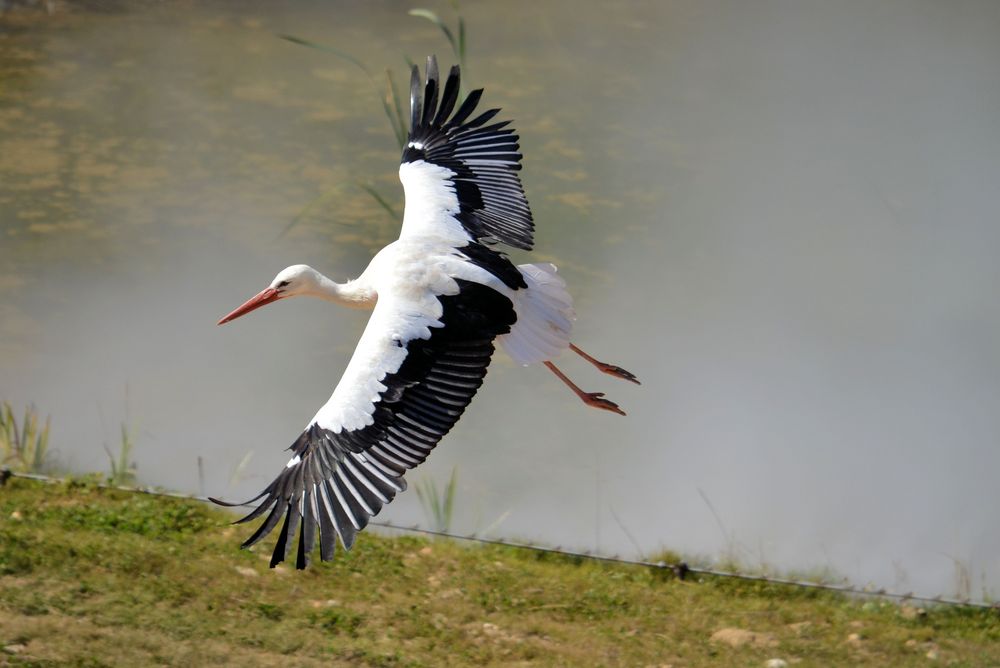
544, 317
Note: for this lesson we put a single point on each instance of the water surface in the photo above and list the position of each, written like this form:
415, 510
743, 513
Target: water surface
780, 216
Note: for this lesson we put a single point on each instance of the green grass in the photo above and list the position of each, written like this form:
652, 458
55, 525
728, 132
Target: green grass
438, 505
23, 448
121, 469
99, 577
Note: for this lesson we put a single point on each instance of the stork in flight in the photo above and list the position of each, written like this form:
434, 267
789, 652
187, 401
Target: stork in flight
440, 296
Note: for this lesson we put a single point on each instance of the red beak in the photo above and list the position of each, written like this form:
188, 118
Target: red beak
261, 299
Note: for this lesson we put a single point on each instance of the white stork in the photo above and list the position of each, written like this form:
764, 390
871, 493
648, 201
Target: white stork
440, 295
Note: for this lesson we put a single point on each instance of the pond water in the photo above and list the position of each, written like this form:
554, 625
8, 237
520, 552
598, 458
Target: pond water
780, 216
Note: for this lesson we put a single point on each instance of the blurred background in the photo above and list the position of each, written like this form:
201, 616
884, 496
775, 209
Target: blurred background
780, 215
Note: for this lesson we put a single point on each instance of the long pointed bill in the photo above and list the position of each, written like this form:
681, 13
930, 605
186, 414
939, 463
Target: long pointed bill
261, 299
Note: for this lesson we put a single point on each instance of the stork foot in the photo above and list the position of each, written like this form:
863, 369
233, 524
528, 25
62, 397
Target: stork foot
618, 372
597, 400
610, 369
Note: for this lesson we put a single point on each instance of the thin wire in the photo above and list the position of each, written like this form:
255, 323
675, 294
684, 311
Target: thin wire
680, 569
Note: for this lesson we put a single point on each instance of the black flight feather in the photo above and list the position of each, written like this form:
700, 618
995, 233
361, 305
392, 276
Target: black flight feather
483, 159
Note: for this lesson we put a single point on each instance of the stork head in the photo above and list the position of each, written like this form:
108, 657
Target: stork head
299, 279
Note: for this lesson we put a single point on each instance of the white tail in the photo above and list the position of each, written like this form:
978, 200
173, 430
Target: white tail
544, 316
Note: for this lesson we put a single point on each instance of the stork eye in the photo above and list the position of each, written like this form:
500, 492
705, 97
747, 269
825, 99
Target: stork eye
282, 284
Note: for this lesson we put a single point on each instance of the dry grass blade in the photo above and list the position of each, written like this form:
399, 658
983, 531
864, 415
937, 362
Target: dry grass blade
398, 128
329, 49
436, 20
457, 45
239, 473
381, 200
461, 41
322, 198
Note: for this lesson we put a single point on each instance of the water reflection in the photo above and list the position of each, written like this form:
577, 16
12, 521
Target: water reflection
778, 215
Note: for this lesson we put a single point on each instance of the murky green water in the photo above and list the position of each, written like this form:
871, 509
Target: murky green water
779, 216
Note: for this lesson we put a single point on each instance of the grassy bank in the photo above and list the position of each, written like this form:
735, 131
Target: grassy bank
96, 577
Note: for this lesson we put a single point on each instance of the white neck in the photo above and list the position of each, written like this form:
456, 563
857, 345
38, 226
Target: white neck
353, 294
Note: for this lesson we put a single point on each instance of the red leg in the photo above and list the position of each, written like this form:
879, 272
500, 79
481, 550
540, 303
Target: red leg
606, 368
590, 398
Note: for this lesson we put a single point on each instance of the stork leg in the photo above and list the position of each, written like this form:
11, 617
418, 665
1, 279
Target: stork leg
594, 399
609, 369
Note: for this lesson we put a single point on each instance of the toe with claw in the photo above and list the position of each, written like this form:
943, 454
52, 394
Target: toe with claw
619, 372
597, 400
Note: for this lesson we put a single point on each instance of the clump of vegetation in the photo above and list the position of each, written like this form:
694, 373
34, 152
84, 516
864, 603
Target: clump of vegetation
141, 514
439, 505
123, 469
338, 621
25, 447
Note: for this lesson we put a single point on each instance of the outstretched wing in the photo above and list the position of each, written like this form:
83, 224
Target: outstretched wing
460, 176
412, 375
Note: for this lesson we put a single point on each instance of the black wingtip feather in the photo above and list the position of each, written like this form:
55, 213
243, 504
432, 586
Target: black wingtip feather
288, 529
302, 554
327, 534
307, 537
259, 510
229, 504
430, 102
449, 97
267, 526
471, 101
346, 529
432, 70
430, 91
414, 98
482, 118
358, 512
